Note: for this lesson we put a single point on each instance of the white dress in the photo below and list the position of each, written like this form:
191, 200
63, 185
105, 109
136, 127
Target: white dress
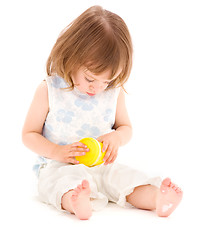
73, 116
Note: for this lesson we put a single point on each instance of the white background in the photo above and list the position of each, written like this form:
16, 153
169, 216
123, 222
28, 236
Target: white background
163, 100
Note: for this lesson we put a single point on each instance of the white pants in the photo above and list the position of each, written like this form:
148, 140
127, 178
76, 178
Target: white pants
107, 183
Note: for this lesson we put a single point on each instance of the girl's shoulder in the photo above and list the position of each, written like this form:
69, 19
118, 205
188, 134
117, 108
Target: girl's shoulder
42, 89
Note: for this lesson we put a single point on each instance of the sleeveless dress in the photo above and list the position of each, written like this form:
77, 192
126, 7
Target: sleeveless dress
73, 116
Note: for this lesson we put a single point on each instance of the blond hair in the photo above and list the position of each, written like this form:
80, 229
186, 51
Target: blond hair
98, 40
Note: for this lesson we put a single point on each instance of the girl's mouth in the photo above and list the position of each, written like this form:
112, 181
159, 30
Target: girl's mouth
91, 94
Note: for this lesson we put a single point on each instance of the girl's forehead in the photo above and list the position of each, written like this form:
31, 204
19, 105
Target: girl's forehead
106, 75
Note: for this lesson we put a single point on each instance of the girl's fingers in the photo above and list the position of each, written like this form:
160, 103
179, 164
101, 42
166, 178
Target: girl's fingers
79, 149
74, 154
108, 155
105, 146
73, 161
111, 157
108, 150
79, 144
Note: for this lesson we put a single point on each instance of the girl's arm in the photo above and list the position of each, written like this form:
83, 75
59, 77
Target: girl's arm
33, 126
122, 122
122, 134
32, 129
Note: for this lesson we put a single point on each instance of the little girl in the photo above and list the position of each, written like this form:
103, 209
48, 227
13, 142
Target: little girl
83, 96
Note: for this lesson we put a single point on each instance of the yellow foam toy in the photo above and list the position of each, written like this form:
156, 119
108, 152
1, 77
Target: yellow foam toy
95, 155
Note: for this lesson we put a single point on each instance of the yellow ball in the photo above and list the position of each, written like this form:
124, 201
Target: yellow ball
95, 155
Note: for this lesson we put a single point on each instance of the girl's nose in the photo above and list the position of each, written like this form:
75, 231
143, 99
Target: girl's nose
91, 87
96, 85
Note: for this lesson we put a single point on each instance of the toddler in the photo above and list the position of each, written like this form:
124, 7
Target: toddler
83, 96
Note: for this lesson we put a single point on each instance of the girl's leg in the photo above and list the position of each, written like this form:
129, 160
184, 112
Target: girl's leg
144, 197
77, 201
163, 200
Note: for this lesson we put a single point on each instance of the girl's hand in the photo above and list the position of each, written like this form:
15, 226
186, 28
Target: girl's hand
67, 153
111, 144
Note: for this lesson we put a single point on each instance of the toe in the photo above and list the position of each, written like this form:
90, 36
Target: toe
166, 182
165, 185
85, 184
79, 187
172, 185
175, 187
77, 190
178, 190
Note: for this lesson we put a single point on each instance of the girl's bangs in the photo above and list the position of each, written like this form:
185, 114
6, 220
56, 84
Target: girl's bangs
103, 59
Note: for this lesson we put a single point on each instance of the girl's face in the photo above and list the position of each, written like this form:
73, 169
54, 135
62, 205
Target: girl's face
88, 83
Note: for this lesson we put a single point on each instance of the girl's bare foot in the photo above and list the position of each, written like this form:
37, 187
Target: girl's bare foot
80, 201
77, 201
168, 198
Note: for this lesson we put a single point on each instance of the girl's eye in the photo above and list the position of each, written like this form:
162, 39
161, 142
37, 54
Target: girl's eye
88, 80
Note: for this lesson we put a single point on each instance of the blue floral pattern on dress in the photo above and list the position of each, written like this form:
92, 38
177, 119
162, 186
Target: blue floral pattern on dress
86, 104
88, 130
64, 116
58, 82
108, 115
47, 130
